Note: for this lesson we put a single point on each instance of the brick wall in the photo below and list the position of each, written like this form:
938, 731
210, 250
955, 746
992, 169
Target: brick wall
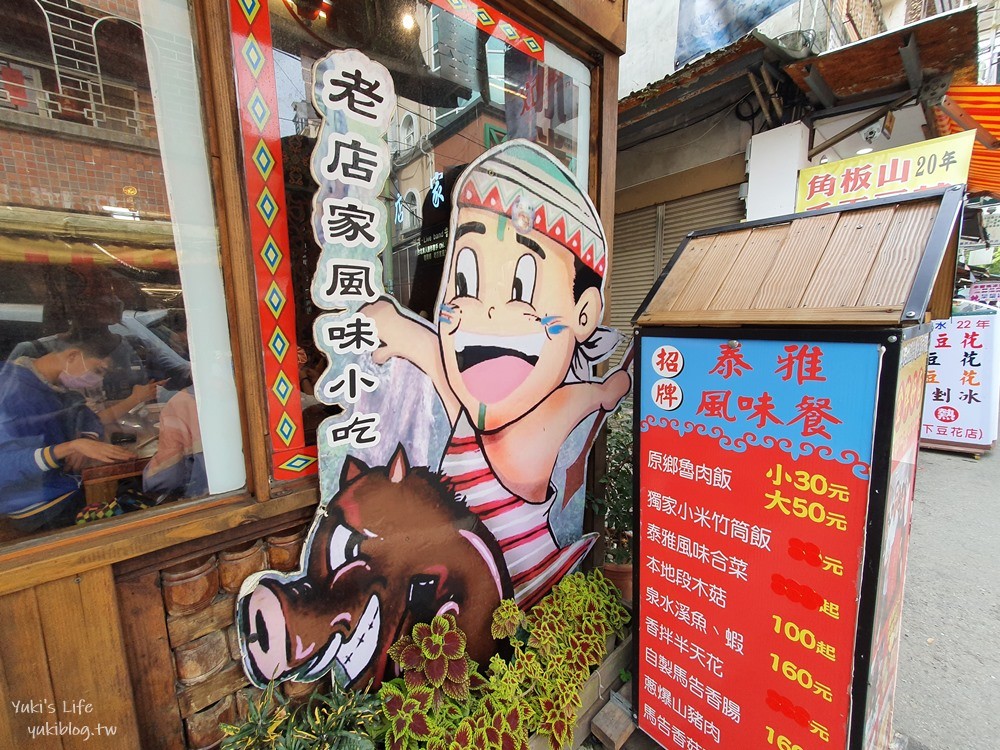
917, 10
44, 171
122, 8
862, 18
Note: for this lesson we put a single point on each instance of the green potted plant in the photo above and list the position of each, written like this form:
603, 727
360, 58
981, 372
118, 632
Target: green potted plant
442, 703
439, 688
614, 503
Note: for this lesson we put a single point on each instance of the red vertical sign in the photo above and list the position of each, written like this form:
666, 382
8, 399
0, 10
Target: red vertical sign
754, 461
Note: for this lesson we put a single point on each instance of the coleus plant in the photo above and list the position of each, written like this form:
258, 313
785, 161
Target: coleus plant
440, 705
555, 647
416, 719
434, 656
408, 712
438, 688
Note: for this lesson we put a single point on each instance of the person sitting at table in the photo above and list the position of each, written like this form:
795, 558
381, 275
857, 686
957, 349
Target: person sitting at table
87, 302
108, 410
178, 467
48, 434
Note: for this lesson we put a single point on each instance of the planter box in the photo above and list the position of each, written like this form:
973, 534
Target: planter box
595, 694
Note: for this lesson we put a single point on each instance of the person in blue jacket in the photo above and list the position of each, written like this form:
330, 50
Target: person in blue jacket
47, 432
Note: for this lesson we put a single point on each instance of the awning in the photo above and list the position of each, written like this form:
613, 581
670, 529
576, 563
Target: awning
60, 252
872, 72
697, 91
30, 235
893, 63
982, 105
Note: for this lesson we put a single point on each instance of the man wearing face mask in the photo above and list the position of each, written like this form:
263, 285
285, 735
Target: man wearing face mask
90, 303
47, 432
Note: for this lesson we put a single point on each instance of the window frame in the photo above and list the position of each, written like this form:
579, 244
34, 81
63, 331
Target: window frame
27, 563
603, 67
408, 131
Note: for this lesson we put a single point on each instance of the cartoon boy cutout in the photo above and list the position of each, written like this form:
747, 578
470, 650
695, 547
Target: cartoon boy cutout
512, 351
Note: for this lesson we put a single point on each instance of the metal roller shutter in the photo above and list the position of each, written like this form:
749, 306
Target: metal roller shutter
646, 240
633, 268
713, 209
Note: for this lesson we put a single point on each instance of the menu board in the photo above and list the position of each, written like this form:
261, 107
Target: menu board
754, 461
962, 395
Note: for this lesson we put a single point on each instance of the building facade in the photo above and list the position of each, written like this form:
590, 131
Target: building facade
156, 185
688, 137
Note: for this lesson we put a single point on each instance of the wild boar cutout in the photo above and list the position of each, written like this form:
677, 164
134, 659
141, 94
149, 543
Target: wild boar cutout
392, 548
511, 358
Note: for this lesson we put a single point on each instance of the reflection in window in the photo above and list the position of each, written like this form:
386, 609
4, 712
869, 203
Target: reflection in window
109, 401
94, 76
460, 88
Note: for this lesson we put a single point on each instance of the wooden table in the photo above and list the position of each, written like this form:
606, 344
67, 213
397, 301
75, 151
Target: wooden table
100, 483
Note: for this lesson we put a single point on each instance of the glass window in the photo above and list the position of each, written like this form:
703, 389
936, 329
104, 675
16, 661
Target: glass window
408, 132
465, 80
411, 213
111, 400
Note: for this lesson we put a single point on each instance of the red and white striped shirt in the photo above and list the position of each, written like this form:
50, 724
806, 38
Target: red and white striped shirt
534, 559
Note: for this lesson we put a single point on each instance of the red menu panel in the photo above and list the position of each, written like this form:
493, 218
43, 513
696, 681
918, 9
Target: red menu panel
753, 490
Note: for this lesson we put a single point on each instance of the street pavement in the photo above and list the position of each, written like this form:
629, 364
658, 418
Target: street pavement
948, 687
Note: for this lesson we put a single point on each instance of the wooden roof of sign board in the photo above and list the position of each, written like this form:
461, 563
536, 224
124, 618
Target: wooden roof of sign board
882, 262
944, 45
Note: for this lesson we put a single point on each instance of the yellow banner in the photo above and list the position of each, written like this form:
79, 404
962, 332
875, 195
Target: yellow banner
919, 166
